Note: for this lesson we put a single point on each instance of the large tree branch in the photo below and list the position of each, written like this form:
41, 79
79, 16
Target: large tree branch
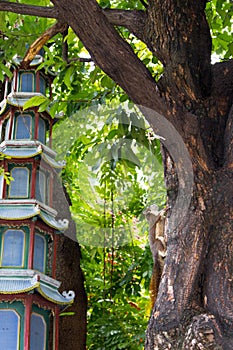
133, 20
222, 73
110, 52
31, 10
222, 92
180, 35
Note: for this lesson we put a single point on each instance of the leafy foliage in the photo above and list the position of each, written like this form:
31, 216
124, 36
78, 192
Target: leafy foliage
108, 174
118, 307
219, 15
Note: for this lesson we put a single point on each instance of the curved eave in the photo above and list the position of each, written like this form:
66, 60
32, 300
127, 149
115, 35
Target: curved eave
24, 284
52, 162
18, 99
27, 211
17, 286
21, 153
37, 60
53, 295
24, 152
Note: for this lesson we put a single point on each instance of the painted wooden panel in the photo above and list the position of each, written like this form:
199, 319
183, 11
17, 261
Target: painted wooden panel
42, 85
41, 130
38, 332
39, 253
41, 186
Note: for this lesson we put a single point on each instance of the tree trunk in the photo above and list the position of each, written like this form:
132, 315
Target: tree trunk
73, 327
194, 308
194, 305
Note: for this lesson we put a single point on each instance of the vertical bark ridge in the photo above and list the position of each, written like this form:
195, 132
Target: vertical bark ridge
180, 36
185, 254
219, 268
228, 141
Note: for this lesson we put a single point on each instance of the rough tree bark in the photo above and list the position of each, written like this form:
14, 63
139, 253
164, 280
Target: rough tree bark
194, 306
73, 328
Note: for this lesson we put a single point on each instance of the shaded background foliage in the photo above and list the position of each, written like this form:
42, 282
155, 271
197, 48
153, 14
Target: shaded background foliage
117, 154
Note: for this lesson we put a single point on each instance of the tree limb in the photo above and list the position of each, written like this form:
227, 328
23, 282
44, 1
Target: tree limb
24, 9
41, 41
111, 52
180, 36
222, 92
223, 87
133, 20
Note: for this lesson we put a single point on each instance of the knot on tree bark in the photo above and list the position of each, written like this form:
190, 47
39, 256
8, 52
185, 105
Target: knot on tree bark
203, 333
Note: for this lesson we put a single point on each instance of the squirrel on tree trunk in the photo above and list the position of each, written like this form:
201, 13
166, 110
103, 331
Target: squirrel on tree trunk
157, 241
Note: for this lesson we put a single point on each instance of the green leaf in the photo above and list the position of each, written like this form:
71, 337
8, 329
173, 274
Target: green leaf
68, 77
6, 70
44, 106
107, 82
35, 101
112, 134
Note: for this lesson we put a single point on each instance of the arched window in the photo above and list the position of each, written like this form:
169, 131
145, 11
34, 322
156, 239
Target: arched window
19, 187
42, 85
37, 332
23, 129
27, 82
9, 329
41, 130
13, 242
39, 253
40, 186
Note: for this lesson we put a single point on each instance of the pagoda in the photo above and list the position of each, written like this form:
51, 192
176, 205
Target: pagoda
30, 300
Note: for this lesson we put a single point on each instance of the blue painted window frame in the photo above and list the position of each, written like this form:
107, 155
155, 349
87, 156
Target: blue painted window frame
41, 186
23, 127
37, 334
13, 246
27, 82
20, 184
42, 85
39, 259
9, 339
